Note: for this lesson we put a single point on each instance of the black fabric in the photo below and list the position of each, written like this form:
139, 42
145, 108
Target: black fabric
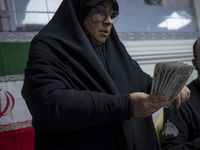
76, 102
101, 52
186, 120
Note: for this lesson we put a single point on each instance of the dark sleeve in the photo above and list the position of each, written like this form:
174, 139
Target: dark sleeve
175, 131
56, 108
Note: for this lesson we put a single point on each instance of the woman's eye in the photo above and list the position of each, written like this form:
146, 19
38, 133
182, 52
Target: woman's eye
103, 13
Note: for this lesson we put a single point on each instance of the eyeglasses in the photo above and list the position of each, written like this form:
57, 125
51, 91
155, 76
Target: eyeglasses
101, 15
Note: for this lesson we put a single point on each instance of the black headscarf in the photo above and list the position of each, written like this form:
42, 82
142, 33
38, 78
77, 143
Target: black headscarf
83, 7
73, 96
66, 38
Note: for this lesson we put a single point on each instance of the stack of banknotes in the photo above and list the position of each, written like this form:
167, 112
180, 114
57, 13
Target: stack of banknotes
169, 78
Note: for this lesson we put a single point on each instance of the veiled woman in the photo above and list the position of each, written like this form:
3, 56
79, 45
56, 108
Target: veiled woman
83, 89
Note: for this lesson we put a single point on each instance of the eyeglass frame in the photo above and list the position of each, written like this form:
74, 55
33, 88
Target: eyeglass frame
104, 14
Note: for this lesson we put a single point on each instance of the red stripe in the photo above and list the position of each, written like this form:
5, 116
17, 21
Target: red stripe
22, 139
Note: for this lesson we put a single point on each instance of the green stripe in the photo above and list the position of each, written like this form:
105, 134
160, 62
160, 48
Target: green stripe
13, 58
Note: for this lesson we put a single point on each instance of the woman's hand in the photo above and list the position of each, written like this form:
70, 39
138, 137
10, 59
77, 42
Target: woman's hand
182, 97
146, 104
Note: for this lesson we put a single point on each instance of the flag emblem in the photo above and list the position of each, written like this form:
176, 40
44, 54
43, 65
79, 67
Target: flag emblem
7, 102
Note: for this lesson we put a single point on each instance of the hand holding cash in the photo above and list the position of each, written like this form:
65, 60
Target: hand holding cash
182, 97
169, 79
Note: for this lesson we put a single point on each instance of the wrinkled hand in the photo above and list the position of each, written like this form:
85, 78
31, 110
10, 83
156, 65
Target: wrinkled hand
146, 104
182, 97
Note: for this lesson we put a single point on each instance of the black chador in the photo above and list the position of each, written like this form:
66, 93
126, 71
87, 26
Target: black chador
78, 96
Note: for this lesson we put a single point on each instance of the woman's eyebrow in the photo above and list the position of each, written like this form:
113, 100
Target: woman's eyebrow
102, 5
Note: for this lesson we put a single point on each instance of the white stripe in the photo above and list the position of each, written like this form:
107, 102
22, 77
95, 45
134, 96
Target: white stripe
20, 111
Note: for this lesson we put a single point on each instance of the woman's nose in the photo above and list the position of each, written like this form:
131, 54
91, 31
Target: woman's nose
108, 19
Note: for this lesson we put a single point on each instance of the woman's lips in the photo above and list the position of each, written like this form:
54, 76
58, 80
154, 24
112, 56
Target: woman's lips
105, 32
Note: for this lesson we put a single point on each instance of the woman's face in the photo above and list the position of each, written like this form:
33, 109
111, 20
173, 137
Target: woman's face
98, 30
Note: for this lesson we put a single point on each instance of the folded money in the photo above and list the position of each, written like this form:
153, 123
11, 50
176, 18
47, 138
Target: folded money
169, 78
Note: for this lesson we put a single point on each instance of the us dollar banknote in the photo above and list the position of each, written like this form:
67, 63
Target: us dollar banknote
169, 79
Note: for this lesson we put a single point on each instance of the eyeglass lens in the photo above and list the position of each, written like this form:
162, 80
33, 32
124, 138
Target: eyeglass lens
102, 14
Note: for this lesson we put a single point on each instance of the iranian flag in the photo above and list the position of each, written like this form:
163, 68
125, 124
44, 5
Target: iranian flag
16, 131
